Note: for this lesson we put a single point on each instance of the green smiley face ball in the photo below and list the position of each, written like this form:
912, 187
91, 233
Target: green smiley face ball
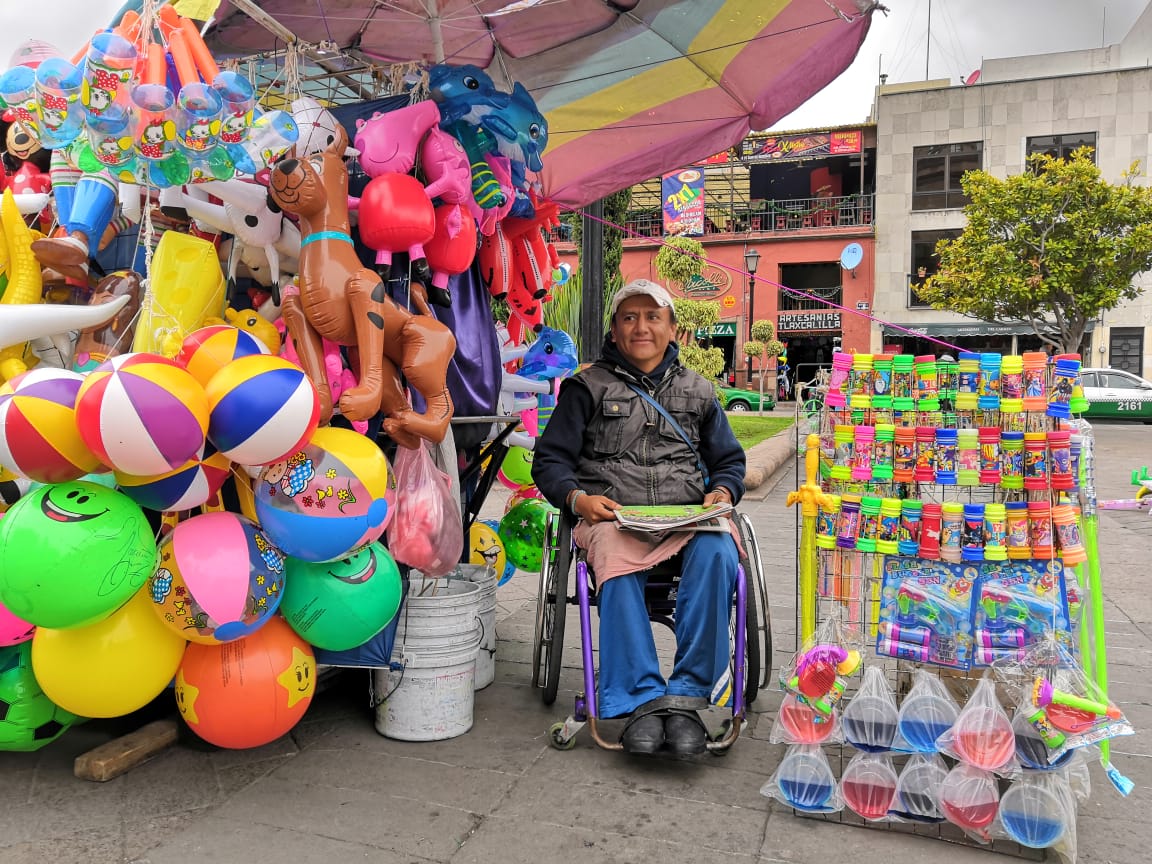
72, 553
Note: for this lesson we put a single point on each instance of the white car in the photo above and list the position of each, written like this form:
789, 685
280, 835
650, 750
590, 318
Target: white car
1117, 394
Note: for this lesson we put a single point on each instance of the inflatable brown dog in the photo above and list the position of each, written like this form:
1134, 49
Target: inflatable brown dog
342, 300
97, 344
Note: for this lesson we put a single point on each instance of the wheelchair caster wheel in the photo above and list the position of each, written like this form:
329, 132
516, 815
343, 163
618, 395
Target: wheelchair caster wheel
559, 738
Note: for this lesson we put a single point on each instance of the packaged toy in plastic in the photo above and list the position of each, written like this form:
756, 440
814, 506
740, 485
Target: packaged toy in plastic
928, 711
803, 780
1018, 604
819, 672
918, 789
868, 785
982, 734
869, 718
926, 611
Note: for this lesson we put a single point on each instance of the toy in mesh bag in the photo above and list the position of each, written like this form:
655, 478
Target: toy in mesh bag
868, 785
818, 674
803, 780
918, 789
870, 717
928, 711
982, 734
426, 532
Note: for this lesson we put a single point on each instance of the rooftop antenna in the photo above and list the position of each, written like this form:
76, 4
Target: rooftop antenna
928, 41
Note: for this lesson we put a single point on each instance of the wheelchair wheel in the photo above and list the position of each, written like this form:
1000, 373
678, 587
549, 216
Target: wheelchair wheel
758, 620
551, 608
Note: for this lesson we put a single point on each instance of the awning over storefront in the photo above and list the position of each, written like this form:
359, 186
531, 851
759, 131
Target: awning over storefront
973, 328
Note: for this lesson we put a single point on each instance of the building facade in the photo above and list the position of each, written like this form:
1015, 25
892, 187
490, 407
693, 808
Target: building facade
930, 133
795, 201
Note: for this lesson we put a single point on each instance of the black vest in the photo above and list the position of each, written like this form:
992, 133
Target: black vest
632, 454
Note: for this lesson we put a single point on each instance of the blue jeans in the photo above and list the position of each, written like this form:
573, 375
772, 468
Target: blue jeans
629, 668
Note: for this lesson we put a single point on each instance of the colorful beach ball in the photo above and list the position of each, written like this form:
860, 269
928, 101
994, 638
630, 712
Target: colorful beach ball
240, 699
219, 579
194, 483
263, 408
39, 438
326, 499
341, 604
522, 531
487, 549
206, 351
516, 469
142, 414
28, 719
72, 553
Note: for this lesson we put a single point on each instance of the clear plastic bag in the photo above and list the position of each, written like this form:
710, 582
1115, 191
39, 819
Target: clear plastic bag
797, 722
982, 735
868, 786
803, 780
928, 711
918, 789
969, 799
818, 673
869, 719
1039, 811
426, 532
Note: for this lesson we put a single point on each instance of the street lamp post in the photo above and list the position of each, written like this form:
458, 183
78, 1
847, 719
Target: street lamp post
751, 262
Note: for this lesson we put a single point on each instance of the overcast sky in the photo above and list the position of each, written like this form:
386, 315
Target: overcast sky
963, 33
67, 24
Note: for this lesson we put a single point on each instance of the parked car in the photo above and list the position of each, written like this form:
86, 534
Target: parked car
746, 400
1117, 394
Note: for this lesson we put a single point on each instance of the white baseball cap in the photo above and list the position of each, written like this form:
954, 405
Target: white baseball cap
637, 287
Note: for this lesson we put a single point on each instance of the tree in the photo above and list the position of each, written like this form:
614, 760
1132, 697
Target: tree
691, 316
1052, 247
679, 259
761, 347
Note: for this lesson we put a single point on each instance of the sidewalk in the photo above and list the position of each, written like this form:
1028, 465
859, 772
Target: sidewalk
335, 791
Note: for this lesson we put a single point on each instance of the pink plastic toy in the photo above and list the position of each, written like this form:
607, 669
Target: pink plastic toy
388, 143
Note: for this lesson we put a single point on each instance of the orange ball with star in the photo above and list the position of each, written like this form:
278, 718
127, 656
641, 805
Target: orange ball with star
250, 692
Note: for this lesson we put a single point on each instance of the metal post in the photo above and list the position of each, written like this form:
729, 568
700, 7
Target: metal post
751, 307
592, 275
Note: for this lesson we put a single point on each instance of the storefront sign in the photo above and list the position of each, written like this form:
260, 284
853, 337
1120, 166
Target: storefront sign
724, 328
683, 196
810, 146
710, 280
792, 321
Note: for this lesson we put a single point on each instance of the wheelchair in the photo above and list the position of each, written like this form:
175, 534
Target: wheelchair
752, 642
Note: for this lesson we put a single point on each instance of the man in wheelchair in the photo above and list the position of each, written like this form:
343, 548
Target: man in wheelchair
638, 428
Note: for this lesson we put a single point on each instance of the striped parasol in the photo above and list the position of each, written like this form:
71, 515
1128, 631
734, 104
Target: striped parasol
630, 88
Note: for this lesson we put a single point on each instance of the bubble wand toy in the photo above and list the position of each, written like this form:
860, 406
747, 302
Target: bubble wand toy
1044, 694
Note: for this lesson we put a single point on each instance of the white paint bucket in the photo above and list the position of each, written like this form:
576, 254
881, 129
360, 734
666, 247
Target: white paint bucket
485, 577
437, 637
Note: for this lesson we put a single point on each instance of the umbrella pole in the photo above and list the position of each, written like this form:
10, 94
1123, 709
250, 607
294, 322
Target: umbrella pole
434, 24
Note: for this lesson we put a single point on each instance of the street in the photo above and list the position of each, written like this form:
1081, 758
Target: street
336, 791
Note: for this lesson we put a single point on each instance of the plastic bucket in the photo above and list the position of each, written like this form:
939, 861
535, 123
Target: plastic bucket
485, 577
431, 697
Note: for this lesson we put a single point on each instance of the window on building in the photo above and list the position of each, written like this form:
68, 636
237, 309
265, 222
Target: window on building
937, 171
1126, 348
924, 261
1061, 146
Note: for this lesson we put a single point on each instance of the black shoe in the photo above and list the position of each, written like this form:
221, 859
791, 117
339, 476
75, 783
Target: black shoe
684, 733
643, 734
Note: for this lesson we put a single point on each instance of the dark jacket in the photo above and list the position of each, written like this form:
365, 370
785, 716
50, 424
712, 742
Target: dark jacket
605, 439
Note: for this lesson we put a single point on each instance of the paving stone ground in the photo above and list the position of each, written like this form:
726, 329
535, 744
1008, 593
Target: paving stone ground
336, 791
